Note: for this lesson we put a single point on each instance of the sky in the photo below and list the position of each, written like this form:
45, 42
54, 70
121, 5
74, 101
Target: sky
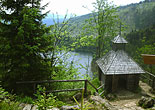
76, 6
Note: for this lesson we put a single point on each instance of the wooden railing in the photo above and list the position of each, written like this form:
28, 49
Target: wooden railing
149, 78
86, 82
100, 88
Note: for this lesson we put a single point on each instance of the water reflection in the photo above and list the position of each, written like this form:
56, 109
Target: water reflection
81, 60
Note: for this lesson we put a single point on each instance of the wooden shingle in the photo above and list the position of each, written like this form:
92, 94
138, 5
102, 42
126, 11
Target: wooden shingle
118, 62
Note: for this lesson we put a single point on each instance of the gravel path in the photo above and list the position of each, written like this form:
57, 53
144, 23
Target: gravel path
128, 100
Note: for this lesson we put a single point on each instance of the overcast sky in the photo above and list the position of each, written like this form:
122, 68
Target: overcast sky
76, 6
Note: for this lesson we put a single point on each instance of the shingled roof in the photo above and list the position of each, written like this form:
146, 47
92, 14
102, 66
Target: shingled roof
118, 62
119, 39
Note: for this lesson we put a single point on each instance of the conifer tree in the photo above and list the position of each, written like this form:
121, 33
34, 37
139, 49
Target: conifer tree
24, 42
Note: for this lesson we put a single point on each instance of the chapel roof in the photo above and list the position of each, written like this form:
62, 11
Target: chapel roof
119, 39
118, 62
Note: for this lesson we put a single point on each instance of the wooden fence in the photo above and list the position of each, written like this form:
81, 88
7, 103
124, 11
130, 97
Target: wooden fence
149, 78
86, 82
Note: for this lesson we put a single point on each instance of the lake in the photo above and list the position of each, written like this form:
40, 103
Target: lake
80, 60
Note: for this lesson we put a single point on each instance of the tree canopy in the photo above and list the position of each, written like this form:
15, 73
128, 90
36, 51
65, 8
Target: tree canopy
24, 42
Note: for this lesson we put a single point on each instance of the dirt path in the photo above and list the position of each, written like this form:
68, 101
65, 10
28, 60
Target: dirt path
128, 100
130, 104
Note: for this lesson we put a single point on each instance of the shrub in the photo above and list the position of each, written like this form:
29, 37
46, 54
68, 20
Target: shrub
9, 105
6, 101
3, 94
46, 101
25, 99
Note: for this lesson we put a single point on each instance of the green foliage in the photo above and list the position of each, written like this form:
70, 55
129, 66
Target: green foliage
82, 106
46, 101
3, 94
66, 71
96, 83
59, 34
24, 44
134, 16
141, 42
7, 101
138, 16
9, 106
98, 29
25, 99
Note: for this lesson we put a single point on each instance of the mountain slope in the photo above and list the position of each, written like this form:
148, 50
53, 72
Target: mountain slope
138, 16
135, 16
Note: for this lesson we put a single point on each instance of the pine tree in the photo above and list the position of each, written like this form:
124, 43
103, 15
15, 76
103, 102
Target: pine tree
24, 42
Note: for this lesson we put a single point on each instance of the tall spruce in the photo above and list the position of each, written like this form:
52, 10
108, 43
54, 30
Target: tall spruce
24, 42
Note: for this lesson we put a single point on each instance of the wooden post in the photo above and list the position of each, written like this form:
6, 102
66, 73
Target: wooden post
114, 83
99, 73
85, 88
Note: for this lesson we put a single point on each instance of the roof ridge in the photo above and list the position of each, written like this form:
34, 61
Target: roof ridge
117, 38
111, 62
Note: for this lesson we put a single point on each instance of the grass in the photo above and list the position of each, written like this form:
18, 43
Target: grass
26, 99
9, 105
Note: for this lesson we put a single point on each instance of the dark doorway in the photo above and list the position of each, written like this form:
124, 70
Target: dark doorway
122, 81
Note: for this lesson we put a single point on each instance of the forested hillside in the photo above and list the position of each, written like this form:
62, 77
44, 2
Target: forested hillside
141, 42
134, 16
138, 16
141, 29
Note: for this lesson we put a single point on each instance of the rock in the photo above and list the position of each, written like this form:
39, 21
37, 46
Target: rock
55, 109
69, 107
146, 102
153, 108
149, 103
111, 96
143, 93
142, 101
106, 105
97, 99
34, 107
27, 107
22, 105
